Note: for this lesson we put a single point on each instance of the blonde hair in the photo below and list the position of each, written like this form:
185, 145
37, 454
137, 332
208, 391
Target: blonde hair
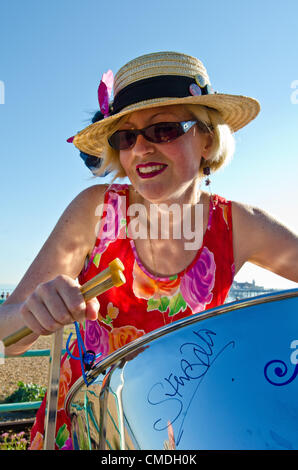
110, 156
221, 153
223, 143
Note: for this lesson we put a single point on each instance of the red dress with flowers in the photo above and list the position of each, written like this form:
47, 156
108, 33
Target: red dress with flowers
145, 302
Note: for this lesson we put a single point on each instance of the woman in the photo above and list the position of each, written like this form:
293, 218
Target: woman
165, 130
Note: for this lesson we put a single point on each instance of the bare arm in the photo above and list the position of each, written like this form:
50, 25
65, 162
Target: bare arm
261, 239
50, 282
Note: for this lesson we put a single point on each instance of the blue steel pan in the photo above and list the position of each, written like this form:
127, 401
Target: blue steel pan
224, 379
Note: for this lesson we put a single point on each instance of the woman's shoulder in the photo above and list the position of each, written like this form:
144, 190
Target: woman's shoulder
255, 221
91, 200
244, 212
245, 217
251, 225
88, 199
94, 191
82, 212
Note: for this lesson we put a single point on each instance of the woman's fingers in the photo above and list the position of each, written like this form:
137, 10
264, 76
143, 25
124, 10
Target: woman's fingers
92, 309
68, 292
38, 319
56, 303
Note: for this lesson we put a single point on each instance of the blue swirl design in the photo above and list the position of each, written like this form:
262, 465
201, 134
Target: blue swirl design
278, 369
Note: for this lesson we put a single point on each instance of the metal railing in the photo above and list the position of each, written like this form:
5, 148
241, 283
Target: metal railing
28, 405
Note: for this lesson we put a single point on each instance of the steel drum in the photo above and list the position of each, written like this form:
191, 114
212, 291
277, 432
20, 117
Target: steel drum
224, 379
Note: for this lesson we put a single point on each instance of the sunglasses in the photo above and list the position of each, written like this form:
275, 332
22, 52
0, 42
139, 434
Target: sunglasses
159, 133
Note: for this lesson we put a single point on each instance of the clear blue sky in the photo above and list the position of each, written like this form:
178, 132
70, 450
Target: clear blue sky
52, 56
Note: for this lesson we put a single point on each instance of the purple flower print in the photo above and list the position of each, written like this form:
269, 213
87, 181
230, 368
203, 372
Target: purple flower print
68, 445
197, 284
96, 338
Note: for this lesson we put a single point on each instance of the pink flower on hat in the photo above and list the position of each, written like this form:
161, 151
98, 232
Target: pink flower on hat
104, 92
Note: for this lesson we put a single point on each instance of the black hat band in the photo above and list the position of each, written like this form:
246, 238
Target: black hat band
163, 86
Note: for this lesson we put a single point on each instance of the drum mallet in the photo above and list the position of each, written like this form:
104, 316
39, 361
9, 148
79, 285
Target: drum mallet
105, 280
110, 277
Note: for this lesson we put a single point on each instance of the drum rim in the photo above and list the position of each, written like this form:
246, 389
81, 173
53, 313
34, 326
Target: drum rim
116, 356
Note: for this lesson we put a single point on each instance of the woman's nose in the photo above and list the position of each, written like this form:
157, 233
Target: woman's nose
142, 145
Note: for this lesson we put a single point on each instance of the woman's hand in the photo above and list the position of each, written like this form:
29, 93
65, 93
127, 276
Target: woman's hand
56, 303
44, 300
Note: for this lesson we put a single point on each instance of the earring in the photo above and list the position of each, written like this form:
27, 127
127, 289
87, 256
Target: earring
206, 171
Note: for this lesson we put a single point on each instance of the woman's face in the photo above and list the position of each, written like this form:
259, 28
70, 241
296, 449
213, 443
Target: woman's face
176, 163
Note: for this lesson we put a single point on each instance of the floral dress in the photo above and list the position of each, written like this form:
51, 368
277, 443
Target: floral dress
145, 302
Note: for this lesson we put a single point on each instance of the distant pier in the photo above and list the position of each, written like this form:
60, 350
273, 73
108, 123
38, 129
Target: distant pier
243, 290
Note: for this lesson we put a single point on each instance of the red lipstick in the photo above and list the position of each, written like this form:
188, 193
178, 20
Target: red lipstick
157, 168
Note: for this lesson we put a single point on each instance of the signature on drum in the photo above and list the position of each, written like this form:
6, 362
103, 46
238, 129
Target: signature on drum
173, 392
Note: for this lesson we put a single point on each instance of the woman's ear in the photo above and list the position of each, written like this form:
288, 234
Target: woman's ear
207, 146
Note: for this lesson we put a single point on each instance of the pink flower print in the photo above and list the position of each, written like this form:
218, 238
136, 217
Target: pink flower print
112, 227
197, 284
68, 445
37, 443
96, 338
119, 187
233, 270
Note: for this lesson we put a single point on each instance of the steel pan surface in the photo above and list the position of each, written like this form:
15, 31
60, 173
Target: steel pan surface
225, 379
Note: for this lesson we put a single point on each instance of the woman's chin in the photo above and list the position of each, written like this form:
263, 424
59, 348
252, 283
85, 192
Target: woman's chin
155, 193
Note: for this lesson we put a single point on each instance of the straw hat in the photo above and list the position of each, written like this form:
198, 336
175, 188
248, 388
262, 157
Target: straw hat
160, 79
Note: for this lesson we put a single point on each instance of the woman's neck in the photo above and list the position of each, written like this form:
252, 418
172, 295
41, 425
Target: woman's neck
188, 195
173, 216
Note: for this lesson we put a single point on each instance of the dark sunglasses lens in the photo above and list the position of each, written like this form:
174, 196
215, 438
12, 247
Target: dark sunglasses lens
122, 140
164, 132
